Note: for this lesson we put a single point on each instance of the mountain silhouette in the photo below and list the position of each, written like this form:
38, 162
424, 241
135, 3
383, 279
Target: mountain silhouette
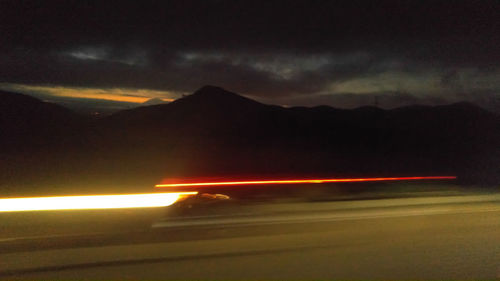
207, 100
210, 110
214, 132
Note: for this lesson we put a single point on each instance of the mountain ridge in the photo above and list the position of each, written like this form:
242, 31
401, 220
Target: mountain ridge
217, 132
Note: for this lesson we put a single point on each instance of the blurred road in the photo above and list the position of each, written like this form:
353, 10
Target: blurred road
421, 238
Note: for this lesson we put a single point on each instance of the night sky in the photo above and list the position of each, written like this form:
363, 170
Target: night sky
340, 53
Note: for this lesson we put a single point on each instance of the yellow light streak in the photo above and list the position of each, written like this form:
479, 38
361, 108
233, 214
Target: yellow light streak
143, 200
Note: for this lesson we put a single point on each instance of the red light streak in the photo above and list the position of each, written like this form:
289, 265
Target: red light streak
299, 181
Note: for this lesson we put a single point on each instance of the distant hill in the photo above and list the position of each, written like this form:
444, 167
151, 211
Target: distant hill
217, 132
36, 139
153, 101
24, 119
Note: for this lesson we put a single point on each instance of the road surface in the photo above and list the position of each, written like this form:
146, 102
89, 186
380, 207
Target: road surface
425, 238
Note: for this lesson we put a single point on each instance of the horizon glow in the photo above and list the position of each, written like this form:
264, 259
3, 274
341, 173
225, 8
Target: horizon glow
299, 181
142, 200
115, 94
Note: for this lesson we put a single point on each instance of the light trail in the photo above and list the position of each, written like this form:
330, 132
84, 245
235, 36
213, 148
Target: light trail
299, 181
142, 200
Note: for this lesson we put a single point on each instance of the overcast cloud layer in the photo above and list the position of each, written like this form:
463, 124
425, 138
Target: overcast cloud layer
340, 53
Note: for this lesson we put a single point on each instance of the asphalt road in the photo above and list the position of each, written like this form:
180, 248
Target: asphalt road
430, 238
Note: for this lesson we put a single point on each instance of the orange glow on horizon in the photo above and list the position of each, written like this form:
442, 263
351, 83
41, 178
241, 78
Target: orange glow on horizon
108, 94
141, 200
299, 181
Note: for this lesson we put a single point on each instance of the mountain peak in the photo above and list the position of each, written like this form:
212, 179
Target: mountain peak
217, 96
208, 89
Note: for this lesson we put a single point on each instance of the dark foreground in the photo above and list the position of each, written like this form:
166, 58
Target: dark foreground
424, 238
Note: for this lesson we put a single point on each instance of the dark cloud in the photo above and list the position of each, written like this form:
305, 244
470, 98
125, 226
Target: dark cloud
266, 49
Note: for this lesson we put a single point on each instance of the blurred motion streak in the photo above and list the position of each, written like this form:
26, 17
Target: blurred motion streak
299, 181
143, 200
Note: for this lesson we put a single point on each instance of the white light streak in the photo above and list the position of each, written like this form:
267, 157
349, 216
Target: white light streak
144, 200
